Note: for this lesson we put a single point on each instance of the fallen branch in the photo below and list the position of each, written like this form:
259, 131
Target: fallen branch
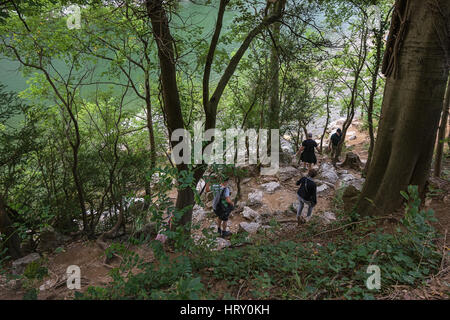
354, 223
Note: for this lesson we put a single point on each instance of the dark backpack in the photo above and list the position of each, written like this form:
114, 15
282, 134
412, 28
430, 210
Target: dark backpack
221, 207
303, 190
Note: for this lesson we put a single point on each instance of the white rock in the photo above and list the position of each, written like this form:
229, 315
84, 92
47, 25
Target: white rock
251, 227
322, 188
222, 243
328, 173
246, 180
270, 187
255, 198
250, 214
352, 138
357, 183
347, 177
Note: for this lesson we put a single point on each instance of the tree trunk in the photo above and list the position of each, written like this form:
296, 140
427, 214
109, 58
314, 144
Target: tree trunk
411, 109
328, 118
171, 99
373, 91
441, 133
274, 95
151, 135
11, 238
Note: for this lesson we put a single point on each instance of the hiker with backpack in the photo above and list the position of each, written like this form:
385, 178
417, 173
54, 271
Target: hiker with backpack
222, 205
334, 142
306, 195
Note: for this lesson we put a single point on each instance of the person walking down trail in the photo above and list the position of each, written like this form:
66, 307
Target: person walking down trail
307, 152
334, 142
306, 195
222, 205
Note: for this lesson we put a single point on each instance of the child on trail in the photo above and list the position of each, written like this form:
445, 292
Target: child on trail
334, 142
308, 156
306, 194
222, 205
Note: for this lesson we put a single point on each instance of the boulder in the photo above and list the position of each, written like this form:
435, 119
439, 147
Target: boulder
286, 173
352, 138
270, 187
19, 265
357, 183
250, 214
255, 198
328, 173
251, 227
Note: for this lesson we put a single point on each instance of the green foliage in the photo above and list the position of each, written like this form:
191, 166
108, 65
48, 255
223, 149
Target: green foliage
35, 270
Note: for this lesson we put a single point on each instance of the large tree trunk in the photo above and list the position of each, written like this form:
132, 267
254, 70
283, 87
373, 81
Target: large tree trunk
417, 73
441, 133
171, 97
10, 236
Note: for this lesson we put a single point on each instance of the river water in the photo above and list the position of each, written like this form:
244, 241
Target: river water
193, 15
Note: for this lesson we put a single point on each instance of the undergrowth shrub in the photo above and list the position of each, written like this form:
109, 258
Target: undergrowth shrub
286, 269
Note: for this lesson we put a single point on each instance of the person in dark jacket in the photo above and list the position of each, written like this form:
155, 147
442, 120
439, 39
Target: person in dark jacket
306, 194
334, 142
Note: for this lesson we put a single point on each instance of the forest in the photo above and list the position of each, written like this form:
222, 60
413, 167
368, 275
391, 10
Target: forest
224, 149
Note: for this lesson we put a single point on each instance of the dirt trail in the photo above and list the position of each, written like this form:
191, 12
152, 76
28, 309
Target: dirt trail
89, 257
